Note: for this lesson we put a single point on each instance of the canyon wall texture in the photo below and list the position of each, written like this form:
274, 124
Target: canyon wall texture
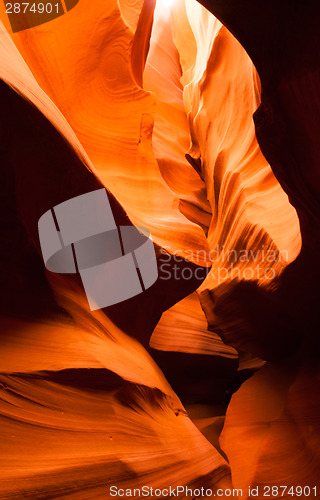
202, 123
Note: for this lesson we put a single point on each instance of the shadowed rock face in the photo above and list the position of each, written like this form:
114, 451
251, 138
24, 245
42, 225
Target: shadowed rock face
204, 129
283, 41
46, 166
